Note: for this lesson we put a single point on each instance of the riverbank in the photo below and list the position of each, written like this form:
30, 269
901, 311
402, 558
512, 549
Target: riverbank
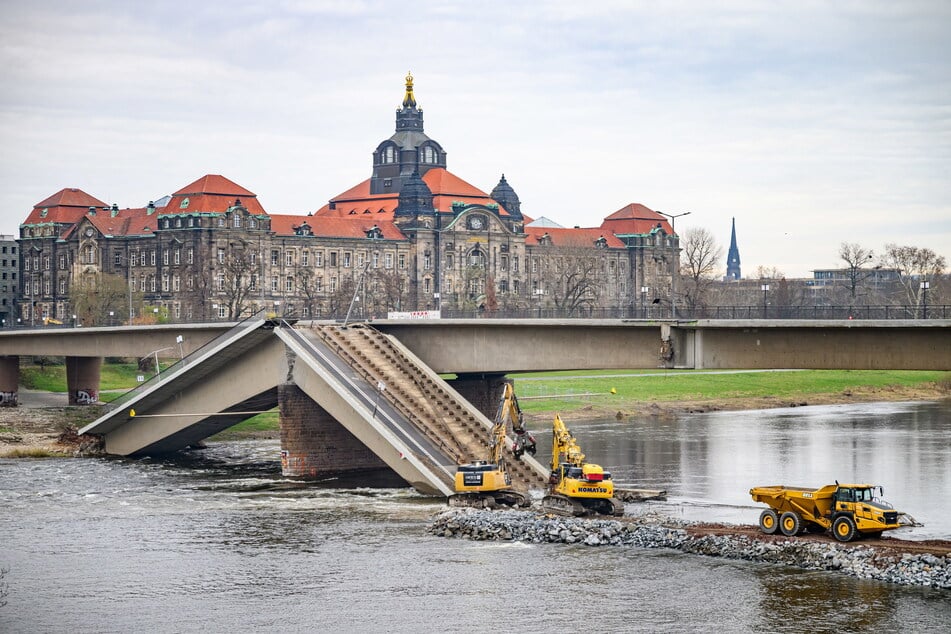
34, 429
887, 559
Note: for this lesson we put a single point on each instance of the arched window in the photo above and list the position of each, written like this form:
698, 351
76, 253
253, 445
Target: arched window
427, 154
389, 156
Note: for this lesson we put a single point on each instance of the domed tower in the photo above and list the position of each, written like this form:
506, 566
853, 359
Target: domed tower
416, 199
408, 150
506, 196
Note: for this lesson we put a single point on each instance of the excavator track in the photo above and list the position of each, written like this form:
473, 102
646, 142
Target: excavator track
428, 403
495, 499
581, 507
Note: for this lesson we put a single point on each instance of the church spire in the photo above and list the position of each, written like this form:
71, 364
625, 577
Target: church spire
733, 257
409, 101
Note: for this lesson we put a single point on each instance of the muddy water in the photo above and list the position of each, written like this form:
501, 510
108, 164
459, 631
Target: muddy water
217, 541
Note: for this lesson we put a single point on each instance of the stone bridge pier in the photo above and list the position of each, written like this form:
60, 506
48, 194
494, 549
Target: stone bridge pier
482, 390
9, 381
82, 379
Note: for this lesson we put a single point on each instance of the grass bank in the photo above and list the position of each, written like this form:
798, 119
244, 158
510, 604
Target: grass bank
588, 394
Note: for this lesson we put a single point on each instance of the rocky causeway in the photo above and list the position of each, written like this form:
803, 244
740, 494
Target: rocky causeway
887, 560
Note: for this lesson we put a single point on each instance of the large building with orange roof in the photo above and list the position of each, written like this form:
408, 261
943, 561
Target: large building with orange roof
412, 236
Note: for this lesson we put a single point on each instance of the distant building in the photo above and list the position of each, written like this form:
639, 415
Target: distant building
733, 257
9, 286
413, 236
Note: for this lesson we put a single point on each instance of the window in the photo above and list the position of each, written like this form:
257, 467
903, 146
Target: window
237, 221
165, 283
305, 312
515, 286
504, 286
46, 287
151, 283
220, 282
388, 154
274, 283
165, 257
177, 310
253, 284
26, 264
178, 223
289, 258
319, 284
402, 260
46, 262
176, 283
289, 285
275, 257
252, 223
427, 261
191, 256
318, 258
534, 265
388, 260
515, 264
117, 258
361, 259
346, 259
221, 256
222, 311
62, 261
427, 286
504, 263
190, 283
333, 258
152, 257
90, 256
333, 284
221, 221
449, 261
142, 284
427, 154
304, 258
376, 259
62, 286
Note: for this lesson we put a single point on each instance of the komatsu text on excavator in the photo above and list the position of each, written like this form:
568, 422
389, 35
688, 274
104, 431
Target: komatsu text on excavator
485, 483
577, 487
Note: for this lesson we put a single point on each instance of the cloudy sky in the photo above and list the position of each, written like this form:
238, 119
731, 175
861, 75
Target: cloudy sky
811, 123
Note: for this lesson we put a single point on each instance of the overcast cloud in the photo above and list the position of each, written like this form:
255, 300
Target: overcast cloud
812, 123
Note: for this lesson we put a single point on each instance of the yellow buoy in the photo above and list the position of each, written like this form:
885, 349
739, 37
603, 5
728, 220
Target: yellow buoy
131, 413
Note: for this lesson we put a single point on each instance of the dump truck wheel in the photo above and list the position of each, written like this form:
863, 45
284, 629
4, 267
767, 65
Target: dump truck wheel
790, 524
768, 521
844, 529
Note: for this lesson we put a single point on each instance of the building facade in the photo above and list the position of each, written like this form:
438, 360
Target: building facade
412, 236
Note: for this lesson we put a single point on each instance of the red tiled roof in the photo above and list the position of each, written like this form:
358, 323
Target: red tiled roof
331, 227
584, 237
126, 222
71, 197
446, 187
212, 193
65, 206
215, 184
635, 218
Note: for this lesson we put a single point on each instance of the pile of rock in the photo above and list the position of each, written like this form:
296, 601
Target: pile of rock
654, 532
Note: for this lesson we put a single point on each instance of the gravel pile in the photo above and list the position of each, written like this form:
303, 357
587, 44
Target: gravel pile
857, 561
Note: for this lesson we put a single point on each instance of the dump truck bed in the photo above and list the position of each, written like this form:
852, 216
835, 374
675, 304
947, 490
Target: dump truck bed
811, 503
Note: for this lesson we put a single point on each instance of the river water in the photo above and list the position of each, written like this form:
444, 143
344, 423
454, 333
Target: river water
217, 541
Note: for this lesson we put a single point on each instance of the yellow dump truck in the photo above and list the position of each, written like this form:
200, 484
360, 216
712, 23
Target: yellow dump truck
849, 510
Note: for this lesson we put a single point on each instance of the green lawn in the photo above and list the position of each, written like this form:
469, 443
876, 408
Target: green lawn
52, 378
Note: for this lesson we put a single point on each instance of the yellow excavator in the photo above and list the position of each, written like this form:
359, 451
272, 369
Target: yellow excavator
486, 483
576, 487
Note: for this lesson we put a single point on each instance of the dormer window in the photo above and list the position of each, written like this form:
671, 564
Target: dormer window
388, 155
427, 154
374, 233
601, 243
184, 204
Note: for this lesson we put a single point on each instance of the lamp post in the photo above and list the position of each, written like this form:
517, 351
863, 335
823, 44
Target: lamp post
924, 299
765, 289
676, 272
74, 321
112, 314
644, 291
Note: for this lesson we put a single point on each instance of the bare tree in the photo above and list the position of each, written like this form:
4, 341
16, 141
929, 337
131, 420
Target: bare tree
699, 260
915, 265
855, 257
235, 278
768, 273
96, 295
310, 287
574, 277
385, 291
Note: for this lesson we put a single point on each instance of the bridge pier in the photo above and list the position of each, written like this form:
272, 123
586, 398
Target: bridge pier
82, 379
315, 446
481, 390
9, 380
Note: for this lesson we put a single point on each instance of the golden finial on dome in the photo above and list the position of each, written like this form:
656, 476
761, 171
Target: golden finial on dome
409, 101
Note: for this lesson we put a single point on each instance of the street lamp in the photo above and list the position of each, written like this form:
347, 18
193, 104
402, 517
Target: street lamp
644, 291
924, 297
111, 315
74, 321
765, 289
676, 272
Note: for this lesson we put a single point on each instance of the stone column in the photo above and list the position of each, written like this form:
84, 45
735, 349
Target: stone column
315, 446
9, 380
82, 379
482, 390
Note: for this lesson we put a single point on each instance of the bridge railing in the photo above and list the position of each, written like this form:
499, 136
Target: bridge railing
251, 322
712, 312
